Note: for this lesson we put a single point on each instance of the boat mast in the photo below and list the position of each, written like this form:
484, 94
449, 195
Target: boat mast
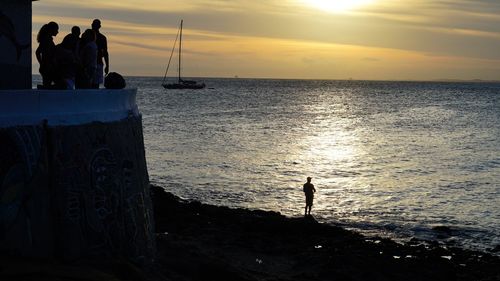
170, 58
180, 49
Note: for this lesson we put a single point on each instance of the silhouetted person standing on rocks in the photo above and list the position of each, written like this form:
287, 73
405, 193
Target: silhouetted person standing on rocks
309, 192
102, 53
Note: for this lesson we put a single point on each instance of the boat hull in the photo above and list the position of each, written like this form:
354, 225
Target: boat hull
181, 86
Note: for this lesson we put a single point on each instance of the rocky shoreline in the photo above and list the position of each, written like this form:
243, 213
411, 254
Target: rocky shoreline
203, 242
200, 242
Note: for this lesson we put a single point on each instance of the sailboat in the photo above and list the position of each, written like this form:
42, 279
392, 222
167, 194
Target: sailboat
181, 83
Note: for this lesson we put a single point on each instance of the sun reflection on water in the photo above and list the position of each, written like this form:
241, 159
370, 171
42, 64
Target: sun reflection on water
334, 150
382, 153
333, 147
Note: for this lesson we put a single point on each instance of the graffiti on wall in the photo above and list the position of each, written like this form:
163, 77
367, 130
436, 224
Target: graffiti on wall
104, 200
81, 187
21, 167
107, 212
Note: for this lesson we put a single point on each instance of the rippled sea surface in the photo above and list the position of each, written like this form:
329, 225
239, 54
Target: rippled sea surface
388, 158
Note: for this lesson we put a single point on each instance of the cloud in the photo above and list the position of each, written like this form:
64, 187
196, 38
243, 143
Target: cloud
426, 26
460, 28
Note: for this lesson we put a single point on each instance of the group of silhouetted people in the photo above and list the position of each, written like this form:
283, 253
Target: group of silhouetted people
77, 62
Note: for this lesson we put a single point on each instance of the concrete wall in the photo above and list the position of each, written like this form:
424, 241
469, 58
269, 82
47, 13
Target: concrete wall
75, 191
15, 44
73, 176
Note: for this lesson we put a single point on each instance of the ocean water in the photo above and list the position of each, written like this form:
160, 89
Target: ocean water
387, 158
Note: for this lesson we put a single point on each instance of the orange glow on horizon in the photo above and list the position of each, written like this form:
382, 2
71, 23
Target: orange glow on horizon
363, 39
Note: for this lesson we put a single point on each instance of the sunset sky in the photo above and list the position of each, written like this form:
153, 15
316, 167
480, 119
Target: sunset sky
311, 39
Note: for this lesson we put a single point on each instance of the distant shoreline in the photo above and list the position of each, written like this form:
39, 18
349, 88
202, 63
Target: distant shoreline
444, 80
341, 80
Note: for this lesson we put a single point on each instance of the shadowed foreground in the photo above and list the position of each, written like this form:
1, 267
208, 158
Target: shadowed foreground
203, 242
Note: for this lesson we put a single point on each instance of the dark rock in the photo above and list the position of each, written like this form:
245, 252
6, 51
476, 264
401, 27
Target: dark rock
496, 249
218, 243
443, 229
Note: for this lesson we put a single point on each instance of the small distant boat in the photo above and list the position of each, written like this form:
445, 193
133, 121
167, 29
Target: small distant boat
181, 83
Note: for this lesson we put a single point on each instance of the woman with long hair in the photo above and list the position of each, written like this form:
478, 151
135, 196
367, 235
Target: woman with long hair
46, 51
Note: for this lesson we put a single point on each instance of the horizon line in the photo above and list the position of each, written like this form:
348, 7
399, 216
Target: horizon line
455, 80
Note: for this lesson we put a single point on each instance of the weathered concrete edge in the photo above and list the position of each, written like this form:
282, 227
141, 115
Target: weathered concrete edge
72, 107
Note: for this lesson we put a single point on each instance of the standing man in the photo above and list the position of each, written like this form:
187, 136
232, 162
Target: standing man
102, 52
73, 40
309, 192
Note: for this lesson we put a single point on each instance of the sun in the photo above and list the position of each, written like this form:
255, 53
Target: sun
337, 6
